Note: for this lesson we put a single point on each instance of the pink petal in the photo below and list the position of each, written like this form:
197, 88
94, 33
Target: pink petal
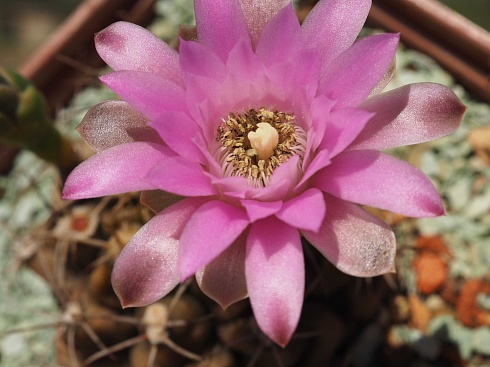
210, 230
178, 130
275, 273
305, 211
283, 180
199, 60
127, 46
258, 13
332, 27
181, 177
243, 62
385, 79
297, 78
116, 170
157, 200
371, 178
223, 279
282, 30
149, 93
260, 209
320, 109
220, 25
112, 123
146, 270
411, 114
343, 126
352, 76
355, 241
320, 161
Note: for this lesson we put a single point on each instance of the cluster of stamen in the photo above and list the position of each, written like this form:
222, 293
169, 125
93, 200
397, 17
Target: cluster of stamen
237, 153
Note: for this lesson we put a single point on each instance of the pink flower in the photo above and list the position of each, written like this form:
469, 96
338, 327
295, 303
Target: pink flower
272, 131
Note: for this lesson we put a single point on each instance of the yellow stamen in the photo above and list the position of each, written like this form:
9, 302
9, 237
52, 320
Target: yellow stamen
264, 140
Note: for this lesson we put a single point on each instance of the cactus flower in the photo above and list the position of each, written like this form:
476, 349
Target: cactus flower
263, 130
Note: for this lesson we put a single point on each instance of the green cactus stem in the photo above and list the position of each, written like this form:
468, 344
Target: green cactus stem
25, 123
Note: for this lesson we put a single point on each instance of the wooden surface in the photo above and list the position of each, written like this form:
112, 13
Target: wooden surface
458, 45
68, 60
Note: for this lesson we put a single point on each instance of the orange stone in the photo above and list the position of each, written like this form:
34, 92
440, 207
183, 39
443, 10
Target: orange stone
431, 272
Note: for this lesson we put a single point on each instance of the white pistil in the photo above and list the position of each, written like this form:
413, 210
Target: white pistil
264, 140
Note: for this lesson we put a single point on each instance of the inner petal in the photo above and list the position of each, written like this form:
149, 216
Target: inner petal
252, 144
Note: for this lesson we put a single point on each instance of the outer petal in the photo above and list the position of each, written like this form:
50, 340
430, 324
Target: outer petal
149, 93
127, 46
343, 126
112, 123
178, 130
122, 168
260, 209
275, 272
199, 60
223, 279
220, 25
371, 178
355, 241
181, 177
305, 211
210, 230
281, 37
157, 200
332, 27
411, 114
146, 269
258, 13
385, 80
352, 76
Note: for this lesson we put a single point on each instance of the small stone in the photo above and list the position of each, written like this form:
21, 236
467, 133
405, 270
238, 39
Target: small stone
420, 314
431, 272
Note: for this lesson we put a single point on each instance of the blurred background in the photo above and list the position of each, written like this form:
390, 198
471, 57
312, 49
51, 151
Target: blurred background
25, 24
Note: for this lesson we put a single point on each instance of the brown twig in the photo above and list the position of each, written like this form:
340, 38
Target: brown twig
460, 46
74, 40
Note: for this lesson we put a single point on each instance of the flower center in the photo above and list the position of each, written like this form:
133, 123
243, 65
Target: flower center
254, 143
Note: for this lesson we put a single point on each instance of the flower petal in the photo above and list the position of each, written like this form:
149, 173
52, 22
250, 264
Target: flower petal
220, 25
411, 114
181, 177
332, 27
148, 93
385, 80
343, 127
305, 211
283, 29
127, 46
275, 273
282, 181
321, 160
260, 209
371, 178
211, 229
146, 270
352, 76
243, 62
119, 169
258, 13
157, 200
223, 279
199, 60
178, 130
320, 108
112, 123
356, 242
